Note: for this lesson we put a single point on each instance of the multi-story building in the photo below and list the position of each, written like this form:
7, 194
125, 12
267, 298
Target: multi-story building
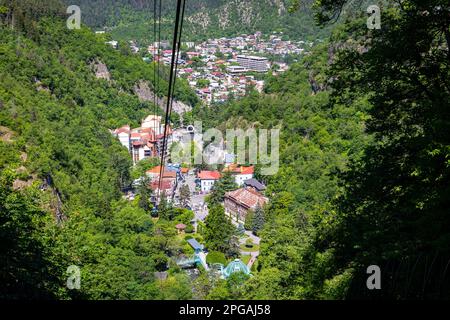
237, 69
240, 173
145, 141
253, 63
238, 202
153, 122
123, 134
168, 182
208, 179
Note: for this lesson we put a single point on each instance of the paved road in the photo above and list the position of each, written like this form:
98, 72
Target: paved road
197, 201
249, 234
252, 259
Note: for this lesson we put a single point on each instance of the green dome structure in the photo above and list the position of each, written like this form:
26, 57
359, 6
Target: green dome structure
235, 266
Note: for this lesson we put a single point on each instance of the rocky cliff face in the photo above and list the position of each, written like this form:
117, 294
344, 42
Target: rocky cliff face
237, 14
205, 18
145, 93
101, 70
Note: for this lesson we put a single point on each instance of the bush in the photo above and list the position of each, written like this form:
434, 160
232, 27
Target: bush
216, 257
198, 237
189, 229
200, 227
187, 249
249, 220
249, 243
240, 230
184, 216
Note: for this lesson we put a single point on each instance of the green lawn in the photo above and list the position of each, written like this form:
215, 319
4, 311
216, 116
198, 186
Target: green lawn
245, 258
254, 247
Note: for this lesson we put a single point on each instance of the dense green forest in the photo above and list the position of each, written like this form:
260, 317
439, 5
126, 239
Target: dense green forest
133, 20
363, 179
364, 176
62, 171
317, 140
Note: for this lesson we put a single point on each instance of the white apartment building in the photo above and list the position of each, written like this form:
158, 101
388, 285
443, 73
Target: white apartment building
236, 69
207, 179
153, 122
253, 63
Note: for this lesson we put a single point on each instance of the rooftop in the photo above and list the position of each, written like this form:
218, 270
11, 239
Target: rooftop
252, 57
255, 184
195, 244
247, 197
166, 184
209, 175
235, 266
234, 168
123, 129
167, 173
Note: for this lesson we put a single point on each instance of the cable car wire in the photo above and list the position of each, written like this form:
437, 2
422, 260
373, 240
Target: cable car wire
172, 76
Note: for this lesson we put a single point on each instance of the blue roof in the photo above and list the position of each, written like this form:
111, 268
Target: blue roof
194, 244
235, 266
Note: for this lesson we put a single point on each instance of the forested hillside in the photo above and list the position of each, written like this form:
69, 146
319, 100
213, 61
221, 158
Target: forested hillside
133, 20
317, 140
62, 171
364, 161
364, 175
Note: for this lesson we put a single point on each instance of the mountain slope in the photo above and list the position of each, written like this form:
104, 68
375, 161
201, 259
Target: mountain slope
61, 171
204, 19
364, 162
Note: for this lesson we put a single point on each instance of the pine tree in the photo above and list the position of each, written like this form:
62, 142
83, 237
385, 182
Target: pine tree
218, 230
164, 208
226, 183
144, 194
185, 195
248, 225
233, 247
240, 229
258, 220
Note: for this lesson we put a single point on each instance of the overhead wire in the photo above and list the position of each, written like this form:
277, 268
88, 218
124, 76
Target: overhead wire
176, 43
155, 89
178, 56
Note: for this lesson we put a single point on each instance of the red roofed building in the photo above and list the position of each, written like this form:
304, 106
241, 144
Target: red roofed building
240, 173
143, 144
123, 134
145, 141
154, 173
191, 54
167, 186
207, 179
238, 202
125, 129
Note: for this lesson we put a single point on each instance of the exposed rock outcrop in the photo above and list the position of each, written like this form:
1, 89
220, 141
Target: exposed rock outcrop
145, 93
6, 134
101, 70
